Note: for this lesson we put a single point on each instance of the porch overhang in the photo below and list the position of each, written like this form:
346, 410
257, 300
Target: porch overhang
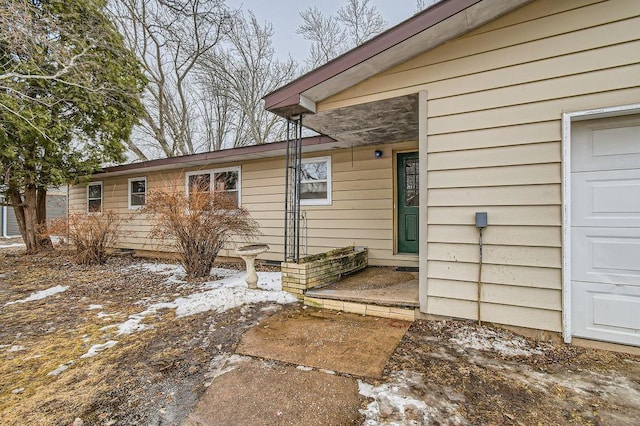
384, 121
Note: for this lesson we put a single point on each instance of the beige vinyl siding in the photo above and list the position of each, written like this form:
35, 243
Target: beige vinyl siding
495, 100
361, 212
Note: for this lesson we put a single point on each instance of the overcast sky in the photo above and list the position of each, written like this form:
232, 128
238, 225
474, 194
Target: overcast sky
285, 17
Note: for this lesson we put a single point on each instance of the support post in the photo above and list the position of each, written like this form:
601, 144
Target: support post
422, 212
292, 190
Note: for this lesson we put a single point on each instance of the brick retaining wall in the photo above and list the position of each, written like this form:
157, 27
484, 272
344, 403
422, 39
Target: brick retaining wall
321, 269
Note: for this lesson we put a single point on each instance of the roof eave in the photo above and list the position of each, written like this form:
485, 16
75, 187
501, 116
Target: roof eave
252, 152
285, 101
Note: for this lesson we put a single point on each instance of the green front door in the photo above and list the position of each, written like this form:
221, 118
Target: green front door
408, 195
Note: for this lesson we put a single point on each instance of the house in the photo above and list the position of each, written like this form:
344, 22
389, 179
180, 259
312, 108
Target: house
528, 111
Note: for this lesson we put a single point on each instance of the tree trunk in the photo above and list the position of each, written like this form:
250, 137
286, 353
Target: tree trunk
44, 241
16, 201
30, 218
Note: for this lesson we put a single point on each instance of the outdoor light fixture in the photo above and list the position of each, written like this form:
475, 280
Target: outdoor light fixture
378, 153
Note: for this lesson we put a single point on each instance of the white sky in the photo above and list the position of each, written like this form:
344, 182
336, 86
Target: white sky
285, 17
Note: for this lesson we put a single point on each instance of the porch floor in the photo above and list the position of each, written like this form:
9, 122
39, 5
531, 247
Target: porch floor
376, 285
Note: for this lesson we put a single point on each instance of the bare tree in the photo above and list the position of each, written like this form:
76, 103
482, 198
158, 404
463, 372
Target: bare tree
238, 73
361, 21
423, 4
326, 36
330, 36
169, 37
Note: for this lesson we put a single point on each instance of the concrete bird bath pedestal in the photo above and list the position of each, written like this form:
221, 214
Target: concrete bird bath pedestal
249, 254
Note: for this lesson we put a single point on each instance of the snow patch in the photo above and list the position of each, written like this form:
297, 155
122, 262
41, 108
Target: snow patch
16, 348
60, 369
224, 294
95, 349
94, 307
160, 268
40, 295
485, 339
304, 368
12, 245
611, 386
222, 364
403, 401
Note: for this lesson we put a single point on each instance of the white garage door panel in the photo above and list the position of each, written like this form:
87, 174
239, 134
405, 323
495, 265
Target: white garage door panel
610, 198
607, 144
616, 311
605, 230
606, 312
606, 255
617, 141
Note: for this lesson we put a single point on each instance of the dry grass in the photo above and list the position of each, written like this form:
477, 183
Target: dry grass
154, 376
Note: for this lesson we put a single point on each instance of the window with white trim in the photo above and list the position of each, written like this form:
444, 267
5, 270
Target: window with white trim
219, 180
315, 181
94, 197
137, 192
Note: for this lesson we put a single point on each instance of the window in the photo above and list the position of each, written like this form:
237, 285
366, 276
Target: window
137, 192
315, 182
94, 197
220, 180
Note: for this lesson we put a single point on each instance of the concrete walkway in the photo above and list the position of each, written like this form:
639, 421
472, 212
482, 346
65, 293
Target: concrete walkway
299, 367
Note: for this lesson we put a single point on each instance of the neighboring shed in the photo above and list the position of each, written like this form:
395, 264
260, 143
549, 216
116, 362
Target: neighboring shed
9, 223
56, 207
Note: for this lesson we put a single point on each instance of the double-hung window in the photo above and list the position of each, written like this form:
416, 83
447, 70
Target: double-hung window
225, 180
137, 192
94, 197
315, 181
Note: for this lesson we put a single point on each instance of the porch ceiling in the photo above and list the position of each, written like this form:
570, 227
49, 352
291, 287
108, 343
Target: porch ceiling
385, 121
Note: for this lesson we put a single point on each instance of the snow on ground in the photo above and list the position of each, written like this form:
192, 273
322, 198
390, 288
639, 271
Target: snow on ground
40, 295
219, 296
485, 339
60, 369
11, 245
93, 350
401, 401
222, 364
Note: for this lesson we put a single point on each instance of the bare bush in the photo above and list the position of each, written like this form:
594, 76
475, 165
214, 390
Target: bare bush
198, 225
91, 234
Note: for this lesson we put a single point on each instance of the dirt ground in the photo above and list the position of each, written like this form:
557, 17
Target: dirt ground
449, 372
374, 277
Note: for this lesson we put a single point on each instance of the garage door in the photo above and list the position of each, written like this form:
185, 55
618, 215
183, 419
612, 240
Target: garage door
605, 229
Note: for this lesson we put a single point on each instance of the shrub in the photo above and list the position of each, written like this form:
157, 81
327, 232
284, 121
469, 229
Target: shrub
91, 234
198, 226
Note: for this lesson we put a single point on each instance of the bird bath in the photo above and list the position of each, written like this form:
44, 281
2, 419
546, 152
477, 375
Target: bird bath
249, 254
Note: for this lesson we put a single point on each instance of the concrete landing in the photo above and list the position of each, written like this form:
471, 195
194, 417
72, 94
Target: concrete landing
399, 295
329, 340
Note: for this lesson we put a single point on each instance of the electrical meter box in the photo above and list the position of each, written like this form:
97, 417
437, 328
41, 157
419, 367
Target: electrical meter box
481, 220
